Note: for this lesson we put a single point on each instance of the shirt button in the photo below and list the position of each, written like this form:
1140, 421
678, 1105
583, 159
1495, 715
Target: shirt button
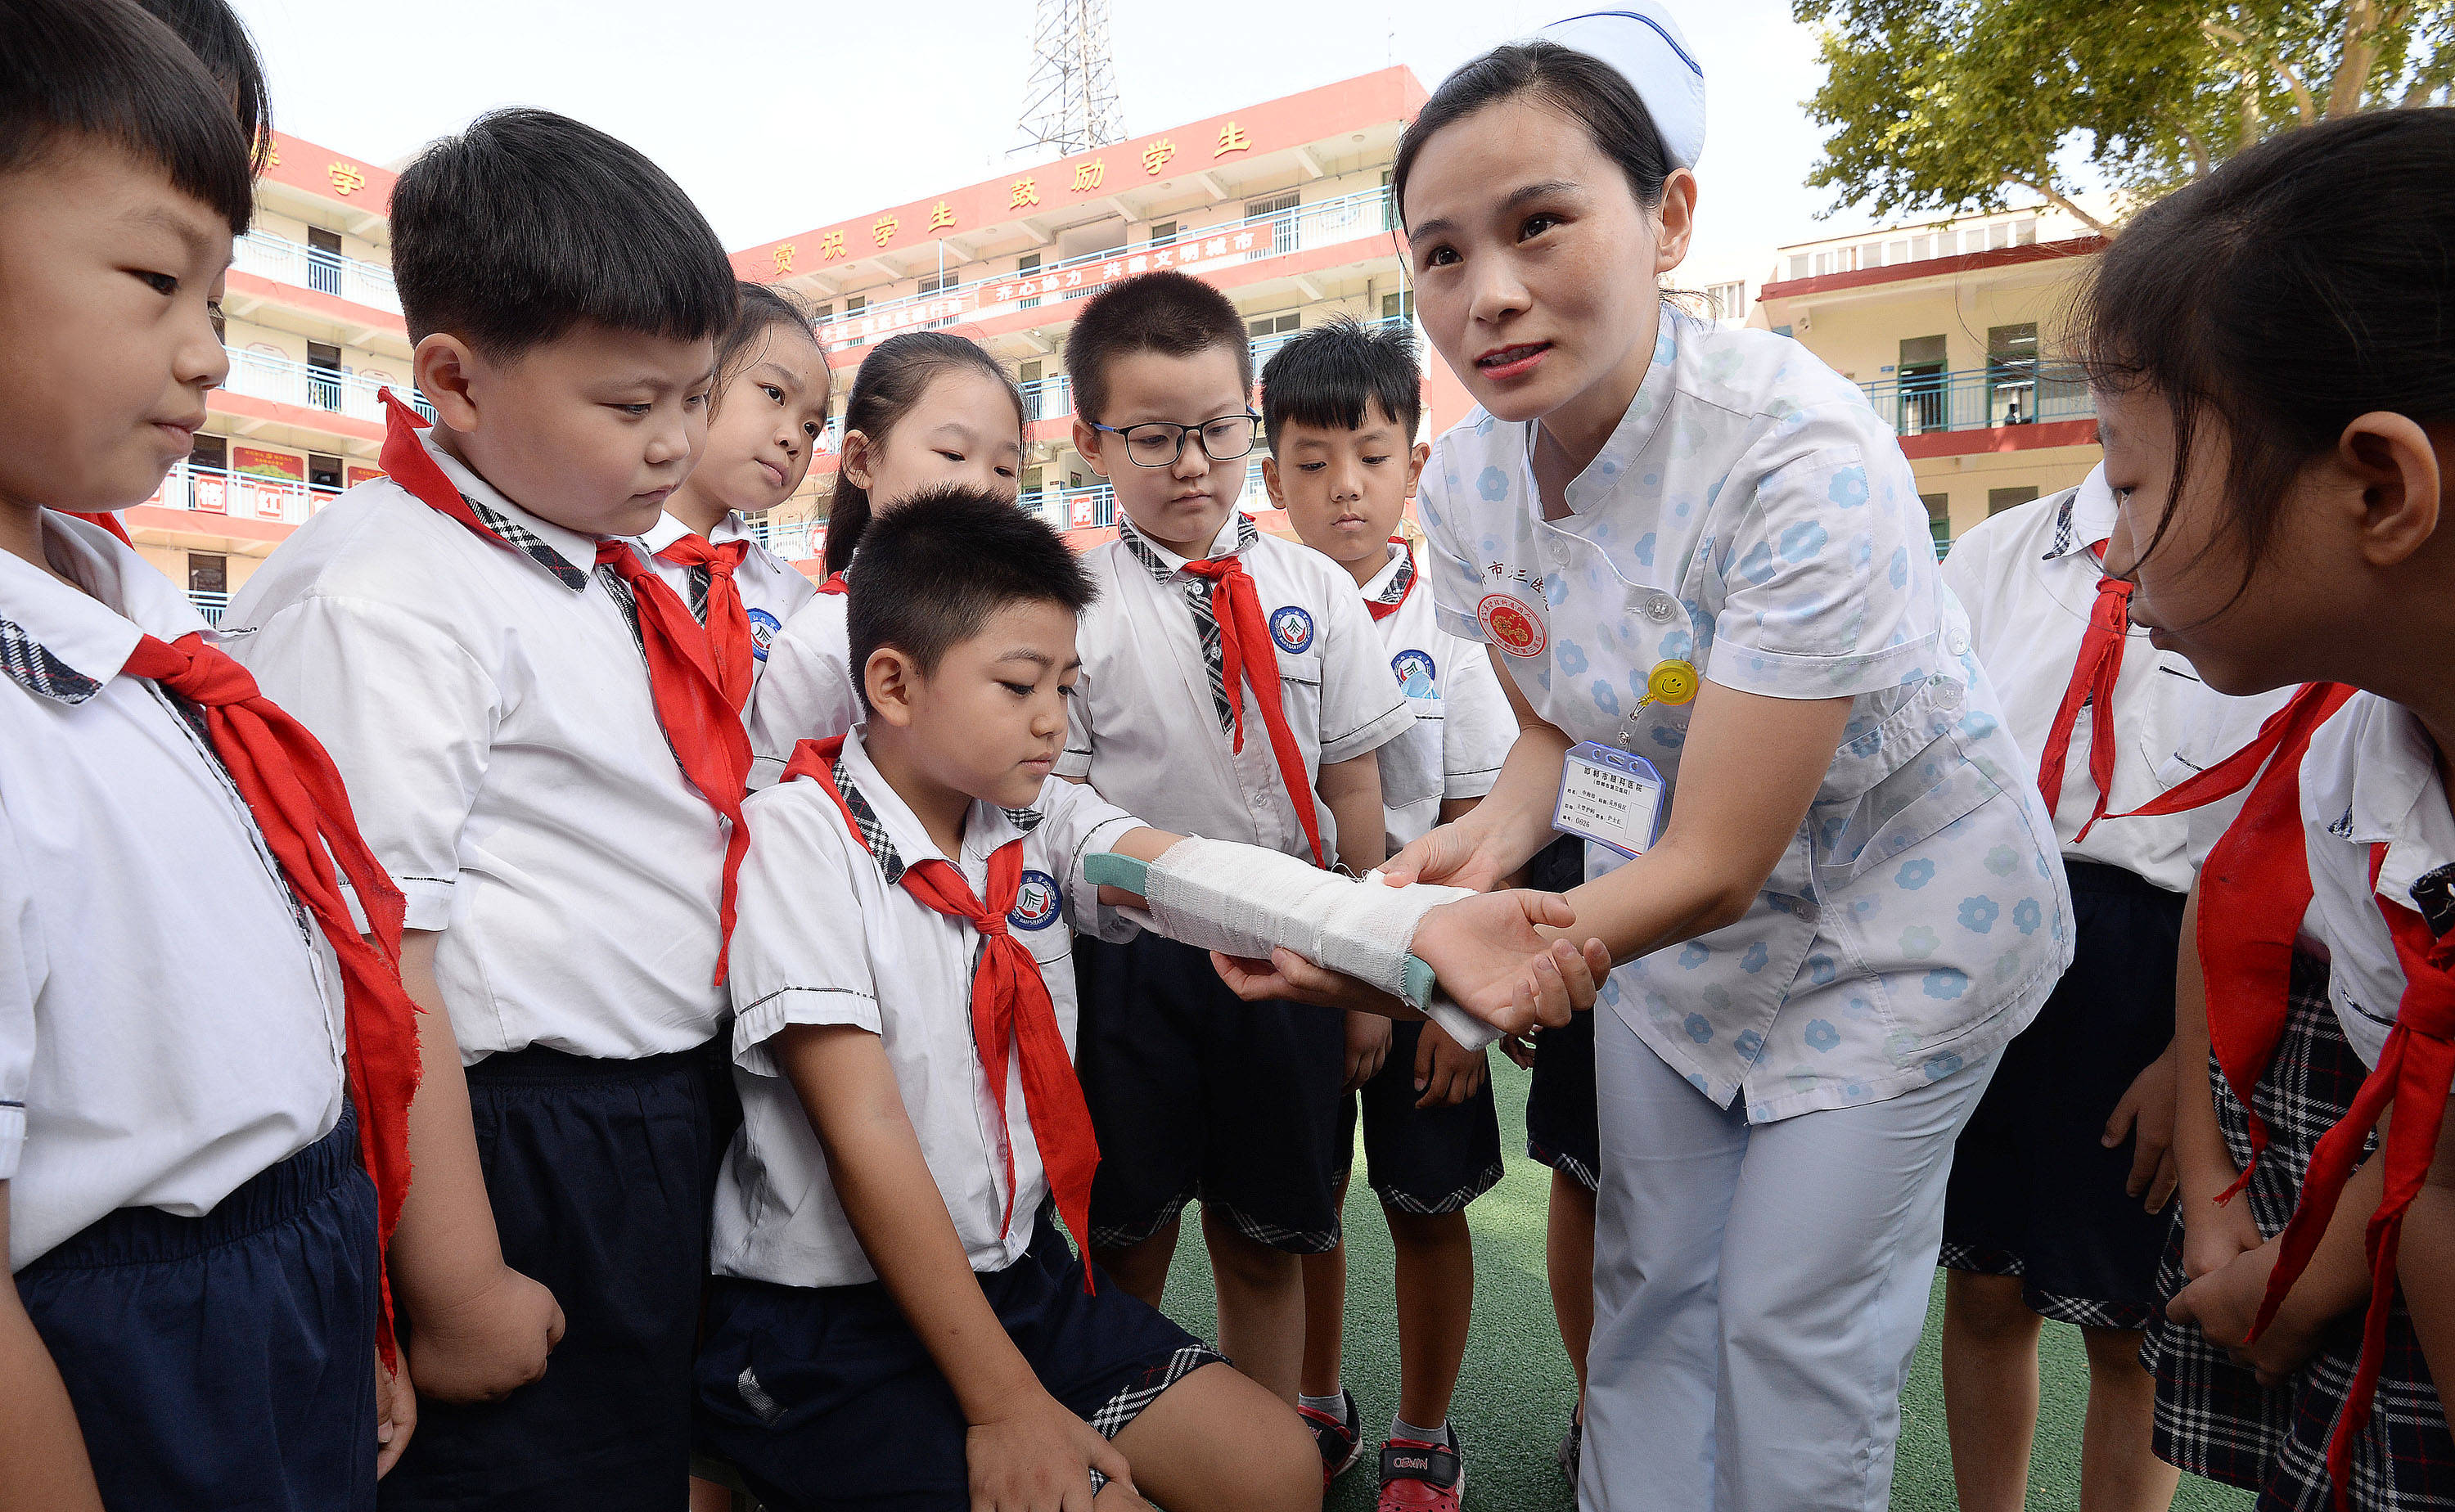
1661, 607
1960, 642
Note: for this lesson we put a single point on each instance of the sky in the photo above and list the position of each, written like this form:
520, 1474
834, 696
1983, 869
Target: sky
777, 118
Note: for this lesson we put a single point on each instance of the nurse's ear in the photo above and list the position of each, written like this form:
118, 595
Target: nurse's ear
1675, 220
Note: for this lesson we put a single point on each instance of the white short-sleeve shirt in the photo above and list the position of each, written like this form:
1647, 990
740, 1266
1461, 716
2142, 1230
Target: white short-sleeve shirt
1752, 516
807, 691
2028, 578
1145, 727
828, 936
771, 588
1463, 725
2370, 778
170, 1017
490, 710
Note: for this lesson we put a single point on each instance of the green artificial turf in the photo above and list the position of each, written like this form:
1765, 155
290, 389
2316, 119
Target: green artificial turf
1514, 1395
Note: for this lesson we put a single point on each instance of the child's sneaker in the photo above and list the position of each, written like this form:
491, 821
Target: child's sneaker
1339, 1438
1572, 1443
1418, 1477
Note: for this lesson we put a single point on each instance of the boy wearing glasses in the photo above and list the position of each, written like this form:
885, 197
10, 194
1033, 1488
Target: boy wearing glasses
1233, 687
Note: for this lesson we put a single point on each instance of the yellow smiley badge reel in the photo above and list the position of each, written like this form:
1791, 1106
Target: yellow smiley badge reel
1609, 794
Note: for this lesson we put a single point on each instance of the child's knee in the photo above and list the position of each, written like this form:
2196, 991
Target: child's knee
2113, 1351
1428, 1231
1238, 1261
1989, 1309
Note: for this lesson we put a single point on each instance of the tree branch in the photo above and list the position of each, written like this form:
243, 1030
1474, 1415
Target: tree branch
2199, 160
2359, 55
2042, 185
2302, 105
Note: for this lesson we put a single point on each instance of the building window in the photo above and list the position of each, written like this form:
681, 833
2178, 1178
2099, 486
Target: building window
209, 452
1281, 209
209, 577
1270, 332
323, 472
323, 375
1999, 499
1027, 264
1162, 233
1398, 306
820, 314
324, 260
2024, 233
1938, 519
1730, 301
1922, 387
855, 304
2012, 374
1798, 265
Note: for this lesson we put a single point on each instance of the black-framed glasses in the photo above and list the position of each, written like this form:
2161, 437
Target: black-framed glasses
1159, 443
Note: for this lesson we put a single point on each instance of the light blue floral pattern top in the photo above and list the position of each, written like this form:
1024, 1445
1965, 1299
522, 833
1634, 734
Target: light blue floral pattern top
1753, 515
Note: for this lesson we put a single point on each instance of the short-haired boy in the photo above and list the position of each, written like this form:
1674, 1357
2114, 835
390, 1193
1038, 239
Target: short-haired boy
550, 773
201, 1059
1232, 687
1340, 405
906, 1004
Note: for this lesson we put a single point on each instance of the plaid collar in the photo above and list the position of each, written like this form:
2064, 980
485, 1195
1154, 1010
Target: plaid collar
64, 643
2083, 516
873, 831
1156, 563
570, 555
1393, 588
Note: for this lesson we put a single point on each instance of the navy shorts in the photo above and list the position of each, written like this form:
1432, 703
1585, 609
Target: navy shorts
1422, 1160
1563, 1129
2033, 1193
824, 1396
597, 1173
1195, 1093
225, 1361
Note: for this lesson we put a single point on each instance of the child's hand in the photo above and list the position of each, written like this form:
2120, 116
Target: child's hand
489, 1346
1367, 1048
1445, 1073
2213, 1235
1519, 1049
2145, 1113
1038, 1458
396, 1413
1288, 978
2224, 1302
1487, 954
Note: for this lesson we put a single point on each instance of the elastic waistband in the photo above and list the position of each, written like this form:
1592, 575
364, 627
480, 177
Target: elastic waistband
536, 1065
148, 1236
2096, 877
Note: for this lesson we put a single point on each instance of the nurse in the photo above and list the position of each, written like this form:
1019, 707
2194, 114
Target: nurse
1702, 565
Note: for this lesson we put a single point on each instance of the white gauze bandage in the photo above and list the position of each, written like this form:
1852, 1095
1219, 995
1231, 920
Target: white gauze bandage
1243, 901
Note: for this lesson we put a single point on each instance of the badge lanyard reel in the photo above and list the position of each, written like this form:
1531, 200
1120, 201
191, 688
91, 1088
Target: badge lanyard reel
1609, 794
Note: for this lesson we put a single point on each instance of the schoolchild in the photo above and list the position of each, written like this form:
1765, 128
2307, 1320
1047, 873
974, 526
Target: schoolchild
1232, 687
2291, 529
1339, 407
202, 1058
766, 415
928, 410
2055, 1208
1704, 561
548, 768
906, 1004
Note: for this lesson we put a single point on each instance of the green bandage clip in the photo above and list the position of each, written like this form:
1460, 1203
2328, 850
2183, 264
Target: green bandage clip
1109, 869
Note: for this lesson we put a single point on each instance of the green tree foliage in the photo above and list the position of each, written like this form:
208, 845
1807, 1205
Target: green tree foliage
1955, 105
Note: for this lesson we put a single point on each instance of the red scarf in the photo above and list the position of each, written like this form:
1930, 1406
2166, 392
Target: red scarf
1380, 611
108, 520
302, 810
702, 727
2093, 675
835, 584
1247, 653
728, 623
1010, 1005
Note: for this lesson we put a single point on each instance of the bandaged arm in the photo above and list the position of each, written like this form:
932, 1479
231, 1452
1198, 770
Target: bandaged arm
1243, 901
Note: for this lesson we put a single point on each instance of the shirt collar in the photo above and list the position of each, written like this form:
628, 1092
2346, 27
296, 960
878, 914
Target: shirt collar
2085, 518
732, 528
896, 838
1237, 533
65, 644
1610, 466
577, 549
663, 533
1388, 585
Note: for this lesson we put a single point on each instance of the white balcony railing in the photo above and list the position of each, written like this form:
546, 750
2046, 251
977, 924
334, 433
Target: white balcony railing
240, 496
286, 261
263, 376
1300, 228
209, 604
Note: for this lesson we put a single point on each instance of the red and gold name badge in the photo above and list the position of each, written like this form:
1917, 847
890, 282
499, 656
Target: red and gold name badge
1513, 624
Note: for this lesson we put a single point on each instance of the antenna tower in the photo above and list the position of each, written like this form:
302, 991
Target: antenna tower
1071, 100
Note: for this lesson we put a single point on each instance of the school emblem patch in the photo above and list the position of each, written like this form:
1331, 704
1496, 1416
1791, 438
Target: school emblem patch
1292, 628
762, 632
1418, 675
1035, 903
1512, 624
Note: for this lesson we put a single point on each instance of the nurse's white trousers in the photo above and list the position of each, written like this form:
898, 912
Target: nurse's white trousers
1758, 1290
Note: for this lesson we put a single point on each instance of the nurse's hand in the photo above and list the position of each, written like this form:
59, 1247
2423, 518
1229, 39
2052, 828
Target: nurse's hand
1452, 855
1489, 953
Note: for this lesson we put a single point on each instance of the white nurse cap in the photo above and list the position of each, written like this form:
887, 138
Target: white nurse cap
1646, 45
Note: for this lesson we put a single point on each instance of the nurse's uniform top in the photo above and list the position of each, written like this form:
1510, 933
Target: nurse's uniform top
1753, 515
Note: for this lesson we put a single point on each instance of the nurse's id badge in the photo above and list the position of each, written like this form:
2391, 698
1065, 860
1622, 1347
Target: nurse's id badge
1611, 797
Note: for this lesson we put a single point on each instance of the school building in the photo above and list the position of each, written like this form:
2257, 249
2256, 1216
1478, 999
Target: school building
1947, 326
1285, 206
